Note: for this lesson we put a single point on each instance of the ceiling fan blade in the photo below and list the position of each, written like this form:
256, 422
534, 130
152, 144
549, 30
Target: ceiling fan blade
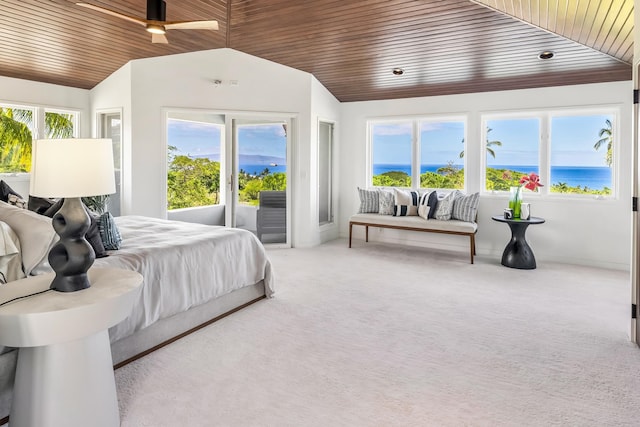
159, 38
191, 25
112, 13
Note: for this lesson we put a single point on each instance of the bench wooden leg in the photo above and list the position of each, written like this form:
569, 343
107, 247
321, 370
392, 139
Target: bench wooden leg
472, 242
366, 232
350, 231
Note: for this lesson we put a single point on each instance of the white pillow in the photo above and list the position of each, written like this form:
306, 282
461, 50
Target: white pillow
406, 202
10, 258
35, 232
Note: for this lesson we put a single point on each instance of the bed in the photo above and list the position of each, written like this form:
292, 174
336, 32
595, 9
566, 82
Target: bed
193, 275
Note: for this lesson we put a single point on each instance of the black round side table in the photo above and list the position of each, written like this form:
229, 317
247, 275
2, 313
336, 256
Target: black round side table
518, 253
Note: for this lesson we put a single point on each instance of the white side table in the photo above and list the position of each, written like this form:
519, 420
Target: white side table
64, 375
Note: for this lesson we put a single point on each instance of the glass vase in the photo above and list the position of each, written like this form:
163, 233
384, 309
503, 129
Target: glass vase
515, 200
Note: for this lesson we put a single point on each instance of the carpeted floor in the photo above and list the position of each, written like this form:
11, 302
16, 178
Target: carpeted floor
383, 335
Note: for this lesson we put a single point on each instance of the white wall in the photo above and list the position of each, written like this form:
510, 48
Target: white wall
581, 231
186, 81
17, 91
115, 93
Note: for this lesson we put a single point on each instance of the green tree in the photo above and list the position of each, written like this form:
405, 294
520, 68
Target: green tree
276, 181
15, 143
450, 169
392, 179
58, 125
489, 144
16, 138
606, 138
192, 182
502, 179
265, 172
450, 179
251, 191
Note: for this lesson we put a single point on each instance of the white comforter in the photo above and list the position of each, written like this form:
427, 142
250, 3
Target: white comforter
183, 265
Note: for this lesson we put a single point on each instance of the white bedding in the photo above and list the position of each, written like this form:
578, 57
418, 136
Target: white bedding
183, 265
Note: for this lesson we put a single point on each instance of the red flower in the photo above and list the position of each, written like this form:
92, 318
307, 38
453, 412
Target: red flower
531, 181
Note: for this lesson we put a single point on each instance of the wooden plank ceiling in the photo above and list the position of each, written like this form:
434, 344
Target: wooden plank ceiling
443, 46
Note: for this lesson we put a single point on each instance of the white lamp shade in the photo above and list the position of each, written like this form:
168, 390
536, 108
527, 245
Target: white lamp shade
72, 168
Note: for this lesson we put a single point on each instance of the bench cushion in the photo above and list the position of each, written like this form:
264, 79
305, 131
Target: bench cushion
416, 222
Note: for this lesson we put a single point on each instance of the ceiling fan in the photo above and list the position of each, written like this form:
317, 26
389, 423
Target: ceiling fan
156, 22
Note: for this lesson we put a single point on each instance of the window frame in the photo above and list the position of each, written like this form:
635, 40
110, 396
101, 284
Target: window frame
415, 122
329, 173
185, 112
76, 119
484, 119
101, 117
370, 124
37, 131
418, 155
615, 160
545, 146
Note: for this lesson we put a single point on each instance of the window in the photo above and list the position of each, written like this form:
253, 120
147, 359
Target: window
193, 173
392, 154
572, 151
512, 147
426, 153
582, 154
19, 126
16, 133
442, 154
325, 173
60, 124
111, 127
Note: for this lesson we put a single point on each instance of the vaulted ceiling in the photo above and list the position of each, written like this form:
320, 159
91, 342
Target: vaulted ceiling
351, 47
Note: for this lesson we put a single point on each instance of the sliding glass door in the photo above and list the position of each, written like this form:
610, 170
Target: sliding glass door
260, 178
230, 169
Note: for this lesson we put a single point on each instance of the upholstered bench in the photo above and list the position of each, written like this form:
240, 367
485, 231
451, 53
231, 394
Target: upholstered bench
415, 223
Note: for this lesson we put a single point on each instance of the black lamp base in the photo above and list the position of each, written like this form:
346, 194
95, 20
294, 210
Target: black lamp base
70, 283
72, 256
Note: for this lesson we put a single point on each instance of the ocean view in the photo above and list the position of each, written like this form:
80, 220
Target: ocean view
593, 177
256, 169
251, 163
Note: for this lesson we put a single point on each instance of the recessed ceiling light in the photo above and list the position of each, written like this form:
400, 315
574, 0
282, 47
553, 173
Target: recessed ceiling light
397, 71
547, 54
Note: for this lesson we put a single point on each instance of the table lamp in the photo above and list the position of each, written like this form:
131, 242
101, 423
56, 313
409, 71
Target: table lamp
71, 169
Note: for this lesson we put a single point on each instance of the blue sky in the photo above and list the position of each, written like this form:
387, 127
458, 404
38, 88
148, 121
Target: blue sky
194, 138
572, 140
199, 139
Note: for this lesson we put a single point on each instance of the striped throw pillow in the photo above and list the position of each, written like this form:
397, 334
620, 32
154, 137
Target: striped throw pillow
423, 205
465, 208
109, 233
368, 201
406, 203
